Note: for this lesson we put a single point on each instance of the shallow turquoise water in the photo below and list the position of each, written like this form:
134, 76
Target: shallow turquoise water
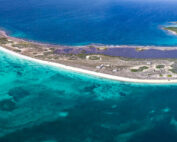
43, 104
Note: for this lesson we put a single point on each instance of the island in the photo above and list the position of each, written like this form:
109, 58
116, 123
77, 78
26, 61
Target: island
150, 65
172, 29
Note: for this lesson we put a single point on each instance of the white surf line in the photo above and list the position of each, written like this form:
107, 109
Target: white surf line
79, 70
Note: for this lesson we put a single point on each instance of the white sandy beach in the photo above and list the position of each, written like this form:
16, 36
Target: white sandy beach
79, 70
172, 32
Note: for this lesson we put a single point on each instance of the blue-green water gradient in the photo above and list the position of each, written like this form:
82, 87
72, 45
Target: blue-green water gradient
78, 22
39, 103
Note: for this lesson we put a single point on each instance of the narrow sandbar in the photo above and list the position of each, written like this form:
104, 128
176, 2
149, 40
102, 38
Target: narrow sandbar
102, 75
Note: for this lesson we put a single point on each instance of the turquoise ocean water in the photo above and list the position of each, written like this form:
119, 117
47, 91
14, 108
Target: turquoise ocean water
39, 103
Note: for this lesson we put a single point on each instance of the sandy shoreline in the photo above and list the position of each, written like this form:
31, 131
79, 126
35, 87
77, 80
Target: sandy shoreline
96, 74
172, 32
144, 47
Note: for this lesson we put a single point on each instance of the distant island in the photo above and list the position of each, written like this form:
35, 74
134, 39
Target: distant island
172, 29
153, 65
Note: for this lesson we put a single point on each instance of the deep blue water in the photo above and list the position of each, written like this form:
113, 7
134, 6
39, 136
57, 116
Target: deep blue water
76, 22
39, 103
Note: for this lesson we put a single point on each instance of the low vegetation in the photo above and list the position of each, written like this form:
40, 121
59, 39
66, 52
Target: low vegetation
82, 55
171, 29
140, 69
160, 66
174, 68
3, 40
23, 45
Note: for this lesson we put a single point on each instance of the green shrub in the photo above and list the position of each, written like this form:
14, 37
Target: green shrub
82, 55
134, 70
143, 68
174, 68
140, 69
160, 66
